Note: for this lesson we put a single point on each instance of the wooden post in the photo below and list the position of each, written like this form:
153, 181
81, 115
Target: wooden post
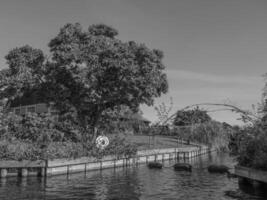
3, 181
68, 169
46, 167
23, 172
3, 173
41, 172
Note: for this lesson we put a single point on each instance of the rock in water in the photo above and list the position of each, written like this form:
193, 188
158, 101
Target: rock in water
218, 169
156, 165
182, 167
236, 195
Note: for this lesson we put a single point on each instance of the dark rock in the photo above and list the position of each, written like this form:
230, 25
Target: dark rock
238, 194
234, 194
156, 165
218, 169
182, 167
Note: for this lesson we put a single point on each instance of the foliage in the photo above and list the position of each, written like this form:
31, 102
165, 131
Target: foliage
93, 71
102, 30
91, 77
39, 128
189, 117
116, 120
21, 150
159, 130
163, 111
249, 144
211, 133
118, 147
33, 137
90, 72
24, 74
69, 149
16, 150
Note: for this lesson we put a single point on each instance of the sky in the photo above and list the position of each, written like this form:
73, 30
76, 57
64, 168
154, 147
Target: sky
215, 50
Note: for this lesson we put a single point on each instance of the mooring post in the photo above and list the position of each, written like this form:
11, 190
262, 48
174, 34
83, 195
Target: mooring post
46, 168
3, 173
41, 172
23, 172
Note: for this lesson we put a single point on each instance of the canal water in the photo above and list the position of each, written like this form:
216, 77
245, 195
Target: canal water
134, 183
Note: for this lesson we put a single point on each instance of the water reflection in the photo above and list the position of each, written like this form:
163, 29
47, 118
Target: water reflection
133, 183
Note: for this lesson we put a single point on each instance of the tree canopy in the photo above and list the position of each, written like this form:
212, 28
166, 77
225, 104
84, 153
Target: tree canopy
24, 73
189, 117
89, 73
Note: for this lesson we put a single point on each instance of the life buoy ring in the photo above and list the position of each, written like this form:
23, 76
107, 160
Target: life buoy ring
102, 142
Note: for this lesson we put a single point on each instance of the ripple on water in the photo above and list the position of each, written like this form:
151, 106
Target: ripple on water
136, 183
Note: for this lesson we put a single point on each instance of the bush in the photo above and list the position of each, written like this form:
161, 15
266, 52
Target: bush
117, 147
40, 128
16, 150
35, 137
211, 133
21, 150
64, 150
251, 147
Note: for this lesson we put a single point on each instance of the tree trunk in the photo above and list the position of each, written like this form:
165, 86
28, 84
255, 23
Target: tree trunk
94, 134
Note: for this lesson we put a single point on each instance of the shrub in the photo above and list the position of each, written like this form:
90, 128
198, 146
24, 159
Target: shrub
211, 133
34, 137
40, 128
64, 150
16, 150
252, 147
117, 147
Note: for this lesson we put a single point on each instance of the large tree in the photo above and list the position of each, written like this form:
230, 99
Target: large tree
93, 71
90, 74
